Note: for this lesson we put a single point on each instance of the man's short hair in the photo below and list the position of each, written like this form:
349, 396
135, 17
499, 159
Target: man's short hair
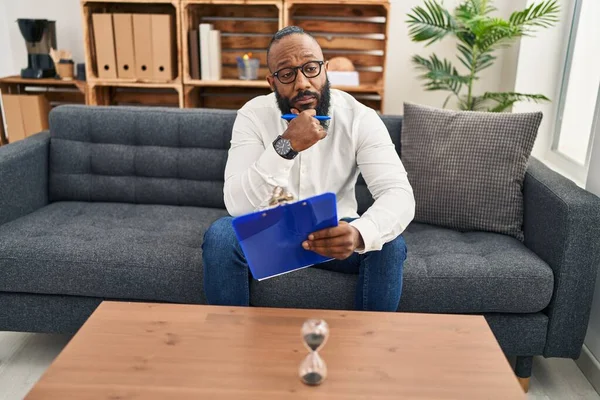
287, 31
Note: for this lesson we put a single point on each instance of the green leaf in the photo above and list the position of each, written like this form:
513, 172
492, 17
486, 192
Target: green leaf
502, 107
463, 104
469, 10
495, 33
484, 61
467, 55
431, 23
478, 103
540, 15
440, 74
447, 100
507, 99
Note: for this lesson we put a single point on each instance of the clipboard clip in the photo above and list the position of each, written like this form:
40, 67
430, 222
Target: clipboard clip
280, 197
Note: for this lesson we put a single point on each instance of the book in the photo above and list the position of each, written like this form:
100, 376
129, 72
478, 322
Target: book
204, 38
214, 49
194, 52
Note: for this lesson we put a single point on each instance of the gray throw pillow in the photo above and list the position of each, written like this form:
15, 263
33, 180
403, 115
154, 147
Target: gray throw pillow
467, 168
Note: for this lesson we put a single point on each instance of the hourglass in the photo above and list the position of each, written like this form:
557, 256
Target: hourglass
313, 370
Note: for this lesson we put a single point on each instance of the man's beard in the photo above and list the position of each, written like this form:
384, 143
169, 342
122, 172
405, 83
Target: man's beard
323, 101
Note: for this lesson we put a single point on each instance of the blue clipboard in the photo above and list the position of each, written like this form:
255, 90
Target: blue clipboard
272, 239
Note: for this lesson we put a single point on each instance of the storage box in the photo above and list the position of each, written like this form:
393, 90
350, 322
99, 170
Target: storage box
25, 115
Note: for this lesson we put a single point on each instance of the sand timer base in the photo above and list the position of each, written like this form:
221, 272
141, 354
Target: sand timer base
313, 370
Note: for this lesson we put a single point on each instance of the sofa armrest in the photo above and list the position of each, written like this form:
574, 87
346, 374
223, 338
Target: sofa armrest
23, 176
562, 226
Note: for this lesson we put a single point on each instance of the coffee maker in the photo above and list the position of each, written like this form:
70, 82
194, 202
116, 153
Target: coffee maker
40, 38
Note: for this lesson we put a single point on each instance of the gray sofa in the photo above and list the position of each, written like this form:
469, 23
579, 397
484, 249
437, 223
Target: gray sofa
113, 202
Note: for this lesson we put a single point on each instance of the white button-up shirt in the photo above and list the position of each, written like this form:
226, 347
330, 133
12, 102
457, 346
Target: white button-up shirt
357, 142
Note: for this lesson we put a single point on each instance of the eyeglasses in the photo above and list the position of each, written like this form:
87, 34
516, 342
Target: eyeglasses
311, 69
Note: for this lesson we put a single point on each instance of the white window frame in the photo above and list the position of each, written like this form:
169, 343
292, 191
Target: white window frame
563, 162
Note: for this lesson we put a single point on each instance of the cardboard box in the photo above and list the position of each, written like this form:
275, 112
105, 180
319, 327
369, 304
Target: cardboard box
163, 47
34, 110
123, 27
104, 39
142, 39
15, 130
25, 115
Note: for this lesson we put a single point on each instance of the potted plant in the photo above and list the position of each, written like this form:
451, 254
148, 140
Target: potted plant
479, 35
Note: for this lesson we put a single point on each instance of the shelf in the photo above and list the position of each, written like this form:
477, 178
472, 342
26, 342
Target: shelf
259, 84
162, 7
41, 82
341, 3
135, 84
234, 2
230, 83
174, 2
360, 88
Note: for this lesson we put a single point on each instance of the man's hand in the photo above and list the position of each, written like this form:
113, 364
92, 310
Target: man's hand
304, 130
338, 242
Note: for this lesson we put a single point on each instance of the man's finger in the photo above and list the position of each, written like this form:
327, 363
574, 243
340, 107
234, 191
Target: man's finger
337, 253
295, 111
322, 133
328, 233
310, 111
336, 231
340, 241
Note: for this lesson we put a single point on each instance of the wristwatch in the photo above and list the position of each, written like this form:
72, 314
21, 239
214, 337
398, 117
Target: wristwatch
283, 147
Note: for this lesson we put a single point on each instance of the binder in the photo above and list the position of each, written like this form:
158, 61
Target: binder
104, 40
123, 27
142, 41
272, 239
163, 52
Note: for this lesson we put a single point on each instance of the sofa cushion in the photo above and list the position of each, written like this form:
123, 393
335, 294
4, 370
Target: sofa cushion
467, 168
446, 272
139, 155
107, 250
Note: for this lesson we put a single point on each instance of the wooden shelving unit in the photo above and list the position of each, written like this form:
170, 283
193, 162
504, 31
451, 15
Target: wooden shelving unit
90, 7
246, 26
135, 93
355, 29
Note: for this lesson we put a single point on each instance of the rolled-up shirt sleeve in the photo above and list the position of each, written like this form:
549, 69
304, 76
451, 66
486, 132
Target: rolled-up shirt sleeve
253, 167
387, 180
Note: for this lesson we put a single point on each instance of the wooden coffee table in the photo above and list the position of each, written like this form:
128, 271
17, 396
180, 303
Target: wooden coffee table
161, 351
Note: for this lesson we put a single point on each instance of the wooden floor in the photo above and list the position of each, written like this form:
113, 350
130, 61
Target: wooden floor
25, 356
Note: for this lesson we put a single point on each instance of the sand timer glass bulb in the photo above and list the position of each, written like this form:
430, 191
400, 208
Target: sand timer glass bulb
313, 370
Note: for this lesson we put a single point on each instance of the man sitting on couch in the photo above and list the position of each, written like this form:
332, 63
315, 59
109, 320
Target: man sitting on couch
308, 157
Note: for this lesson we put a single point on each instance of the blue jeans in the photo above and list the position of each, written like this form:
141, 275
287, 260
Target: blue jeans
227, 276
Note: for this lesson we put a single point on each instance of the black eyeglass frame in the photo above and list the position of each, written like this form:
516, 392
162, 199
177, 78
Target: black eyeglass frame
301, 68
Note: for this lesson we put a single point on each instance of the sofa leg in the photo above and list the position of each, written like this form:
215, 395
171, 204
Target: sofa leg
523, 369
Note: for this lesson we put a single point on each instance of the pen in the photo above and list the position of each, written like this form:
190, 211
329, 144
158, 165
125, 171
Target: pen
290, 117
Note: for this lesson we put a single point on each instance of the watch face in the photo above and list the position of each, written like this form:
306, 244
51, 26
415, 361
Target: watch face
283, 147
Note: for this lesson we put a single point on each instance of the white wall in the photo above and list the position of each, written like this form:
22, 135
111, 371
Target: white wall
401, 78
6, 60
67, 15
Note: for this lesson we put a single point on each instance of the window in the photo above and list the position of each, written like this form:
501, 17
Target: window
579, 102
